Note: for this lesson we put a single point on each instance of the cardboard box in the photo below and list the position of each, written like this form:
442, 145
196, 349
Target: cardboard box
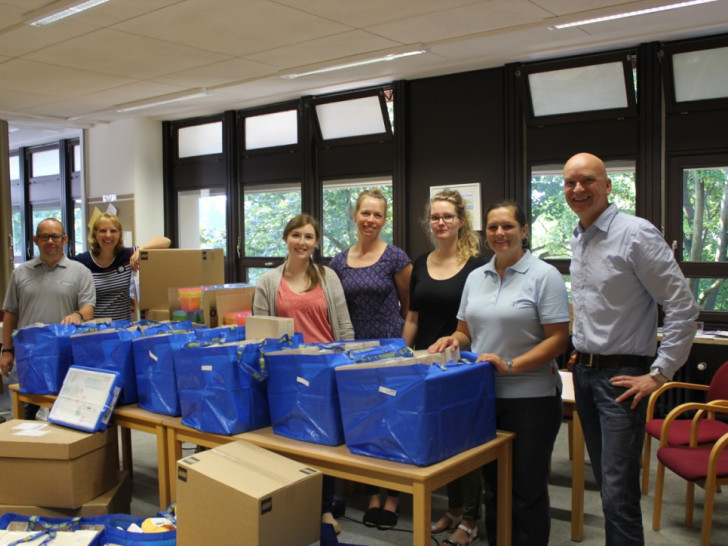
268, 327
162, 269
43, 464
239, 493
116, 500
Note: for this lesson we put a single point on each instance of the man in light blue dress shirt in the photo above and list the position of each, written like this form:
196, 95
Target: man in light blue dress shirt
621, 270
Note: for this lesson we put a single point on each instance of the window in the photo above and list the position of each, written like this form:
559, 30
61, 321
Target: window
695, 76
592, 87
269, 130
267, 208
202, 218
702, 230
197, 140
552, 221
339, 198
363, 116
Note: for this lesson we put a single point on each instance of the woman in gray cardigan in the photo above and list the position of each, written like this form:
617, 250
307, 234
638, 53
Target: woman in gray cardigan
312, 295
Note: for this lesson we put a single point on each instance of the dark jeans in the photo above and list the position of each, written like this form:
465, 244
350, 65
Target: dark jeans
536, 422
614, 435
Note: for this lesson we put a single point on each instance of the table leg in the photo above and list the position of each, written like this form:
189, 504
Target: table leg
174, 453
577, 480
17, 405
163, 477
421, 514
127, 457
505, 493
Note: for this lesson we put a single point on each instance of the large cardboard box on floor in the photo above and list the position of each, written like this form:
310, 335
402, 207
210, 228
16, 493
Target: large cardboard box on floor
43, 464
116, 500
242, 494
162, 269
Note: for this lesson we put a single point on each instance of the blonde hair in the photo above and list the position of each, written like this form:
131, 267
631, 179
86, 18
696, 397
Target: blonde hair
314, 273
94, 243
374, 193
468, 240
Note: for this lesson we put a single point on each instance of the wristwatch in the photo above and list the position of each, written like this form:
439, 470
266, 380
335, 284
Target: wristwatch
656, 374
10, 350
509, 363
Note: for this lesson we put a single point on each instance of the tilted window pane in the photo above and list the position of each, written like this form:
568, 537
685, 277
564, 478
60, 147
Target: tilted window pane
701, 75
202, 139
351, 118
340, 231
268, 130
705, 214
580, 89
267, 209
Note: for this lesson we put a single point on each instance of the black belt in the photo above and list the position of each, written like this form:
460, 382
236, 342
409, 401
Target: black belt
612, 361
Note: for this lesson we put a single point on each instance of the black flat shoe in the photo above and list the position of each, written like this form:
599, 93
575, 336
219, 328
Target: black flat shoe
371, 517
387, 520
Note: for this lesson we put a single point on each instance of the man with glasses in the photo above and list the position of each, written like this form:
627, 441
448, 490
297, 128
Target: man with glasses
50, 289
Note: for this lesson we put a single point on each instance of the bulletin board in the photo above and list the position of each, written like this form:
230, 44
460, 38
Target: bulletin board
121, 205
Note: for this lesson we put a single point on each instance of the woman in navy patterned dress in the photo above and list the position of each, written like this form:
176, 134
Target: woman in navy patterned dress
375, 277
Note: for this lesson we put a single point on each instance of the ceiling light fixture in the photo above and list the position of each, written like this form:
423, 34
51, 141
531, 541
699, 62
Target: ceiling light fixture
48, 17
630, 14
162, 99
417, 50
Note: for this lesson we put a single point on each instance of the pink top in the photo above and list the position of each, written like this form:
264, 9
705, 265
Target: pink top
309, 312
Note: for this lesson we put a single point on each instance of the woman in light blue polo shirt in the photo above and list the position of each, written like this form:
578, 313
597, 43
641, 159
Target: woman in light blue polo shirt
514, 313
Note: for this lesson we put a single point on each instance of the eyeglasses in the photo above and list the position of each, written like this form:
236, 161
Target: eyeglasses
46, 237
447, 218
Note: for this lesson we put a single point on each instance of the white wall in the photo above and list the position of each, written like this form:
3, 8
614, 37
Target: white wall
125, 157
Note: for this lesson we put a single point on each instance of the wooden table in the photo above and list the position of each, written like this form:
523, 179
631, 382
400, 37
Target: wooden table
576, 450
127, 418
338, 461
335, 461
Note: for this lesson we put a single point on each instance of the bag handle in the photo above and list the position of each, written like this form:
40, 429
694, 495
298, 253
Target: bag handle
49, 535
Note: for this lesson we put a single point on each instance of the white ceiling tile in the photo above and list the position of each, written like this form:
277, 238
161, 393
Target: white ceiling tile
123, 54
231, 26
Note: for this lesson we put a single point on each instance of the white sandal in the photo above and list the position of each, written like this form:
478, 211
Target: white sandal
472, 536
454, 521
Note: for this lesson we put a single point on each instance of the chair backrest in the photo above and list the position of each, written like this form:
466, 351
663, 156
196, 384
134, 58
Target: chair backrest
718, 389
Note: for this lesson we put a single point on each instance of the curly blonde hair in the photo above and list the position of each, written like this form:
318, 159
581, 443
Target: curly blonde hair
468, 239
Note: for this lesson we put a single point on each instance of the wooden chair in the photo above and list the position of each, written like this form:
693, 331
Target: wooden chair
705, 465
710, 428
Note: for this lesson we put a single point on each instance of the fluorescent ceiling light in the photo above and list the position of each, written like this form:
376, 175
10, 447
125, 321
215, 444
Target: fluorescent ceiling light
56, 14
418, 50
631, 14
162, 99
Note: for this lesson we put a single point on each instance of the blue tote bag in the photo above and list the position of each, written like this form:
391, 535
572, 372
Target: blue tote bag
302, 393
43, 355
416, 413
111, 350
154, 368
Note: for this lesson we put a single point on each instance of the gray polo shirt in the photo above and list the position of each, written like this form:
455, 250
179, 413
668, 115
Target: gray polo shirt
39, 293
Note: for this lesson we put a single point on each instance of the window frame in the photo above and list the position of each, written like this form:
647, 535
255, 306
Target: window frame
667, 52
625, 57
